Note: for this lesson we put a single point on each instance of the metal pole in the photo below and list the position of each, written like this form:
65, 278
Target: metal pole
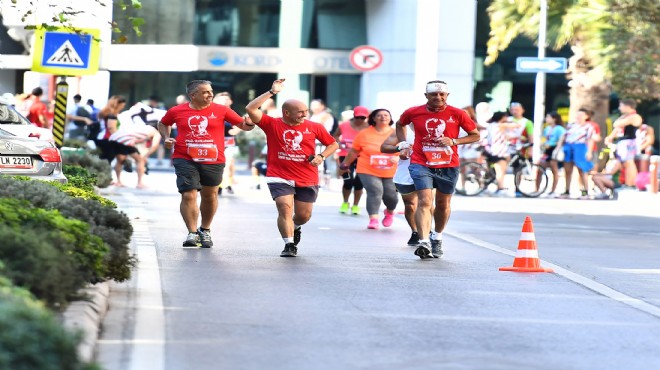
539, 93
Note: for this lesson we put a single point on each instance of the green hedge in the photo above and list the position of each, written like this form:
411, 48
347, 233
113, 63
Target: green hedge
99, 167
31, 337
50, 255
113, 227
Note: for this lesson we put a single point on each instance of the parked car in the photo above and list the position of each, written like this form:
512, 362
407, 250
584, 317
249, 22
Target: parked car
39, 159
14, 122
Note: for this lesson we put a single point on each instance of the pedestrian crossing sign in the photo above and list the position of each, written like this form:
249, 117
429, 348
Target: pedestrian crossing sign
66, 53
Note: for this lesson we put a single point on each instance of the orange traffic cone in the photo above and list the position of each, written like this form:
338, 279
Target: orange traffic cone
527, 257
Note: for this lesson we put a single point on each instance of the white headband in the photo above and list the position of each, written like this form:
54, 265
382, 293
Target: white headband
436, 87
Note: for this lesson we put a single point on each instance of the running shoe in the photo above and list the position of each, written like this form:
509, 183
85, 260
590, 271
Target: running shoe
344, 208
192, 240
389, 218
436, 248
297, 233
355, 210
290, 250
205, 238
423, 251
373, 224
414, 239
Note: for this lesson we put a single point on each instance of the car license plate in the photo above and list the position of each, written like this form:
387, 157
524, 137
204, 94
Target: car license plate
12, 161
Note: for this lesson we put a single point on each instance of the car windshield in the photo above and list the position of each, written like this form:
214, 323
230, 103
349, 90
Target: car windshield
9, 116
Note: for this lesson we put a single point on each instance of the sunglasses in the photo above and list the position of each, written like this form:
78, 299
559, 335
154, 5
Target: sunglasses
360, 117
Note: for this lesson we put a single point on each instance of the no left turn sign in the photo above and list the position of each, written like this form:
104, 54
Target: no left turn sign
366, 58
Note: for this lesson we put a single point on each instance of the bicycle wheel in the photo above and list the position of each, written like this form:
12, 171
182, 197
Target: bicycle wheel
471, 179
531, 180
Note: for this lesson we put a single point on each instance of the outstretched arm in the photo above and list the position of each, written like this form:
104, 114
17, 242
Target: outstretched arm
252, 108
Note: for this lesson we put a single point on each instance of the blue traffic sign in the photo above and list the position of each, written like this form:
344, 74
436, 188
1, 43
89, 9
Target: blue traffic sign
65, 53
66, 50
547, 65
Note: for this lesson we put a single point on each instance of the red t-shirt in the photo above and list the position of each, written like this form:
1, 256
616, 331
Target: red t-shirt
36, 109
289, 147
201, 133
430, 126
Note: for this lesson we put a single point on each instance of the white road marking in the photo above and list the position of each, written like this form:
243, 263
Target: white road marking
148, 342
577, 278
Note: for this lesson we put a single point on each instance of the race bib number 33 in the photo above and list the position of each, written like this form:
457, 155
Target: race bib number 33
203, 152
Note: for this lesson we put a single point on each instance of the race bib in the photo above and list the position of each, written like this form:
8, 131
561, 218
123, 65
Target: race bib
230, 141
381, 162
203, 152
437, 155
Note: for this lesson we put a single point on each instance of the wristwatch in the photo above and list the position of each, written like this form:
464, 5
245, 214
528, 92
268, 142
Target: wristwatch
272, 92
322, 156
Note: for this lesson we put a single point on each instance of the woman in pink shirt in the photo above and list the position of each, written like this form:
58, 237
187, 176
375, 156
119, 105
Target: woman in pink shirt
345, 134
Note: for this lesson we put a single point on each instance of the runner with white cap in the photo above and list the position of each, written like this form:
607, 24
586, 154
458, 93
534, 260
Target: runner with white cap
434, 160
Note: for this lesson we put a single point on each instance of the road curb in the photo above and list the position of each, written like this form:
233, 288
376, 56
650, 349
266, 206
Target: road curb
85, 316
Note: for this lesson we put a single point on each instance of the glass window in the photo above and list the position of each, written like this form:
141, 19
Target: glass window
250, 23
334, 24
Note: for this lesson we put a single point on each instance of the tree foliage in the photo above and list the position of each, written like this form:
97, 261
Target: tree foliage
614, 40
63, 15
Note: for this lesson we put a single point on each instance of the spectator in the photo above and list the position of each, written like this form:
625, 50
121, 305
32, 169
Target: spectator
108, 126
626, 146
38, 111
645, 138
78, 119
554, 137
497, 147
609, 179
523, 131
578, 152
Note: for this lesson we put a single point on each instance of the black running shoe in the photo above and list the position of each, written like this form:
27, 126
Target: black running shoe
423, 251
414, 239
436, 248
290, 250
297, 233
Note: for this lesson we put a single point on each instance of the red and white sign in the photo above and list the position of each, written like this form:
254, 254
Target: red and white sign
366, 58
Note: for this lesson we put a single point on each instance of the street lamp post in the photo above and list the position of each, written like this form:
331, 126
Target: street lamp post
539, 92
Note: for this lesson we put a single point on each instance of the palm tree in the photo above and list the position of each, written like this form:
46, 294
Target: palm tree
582, 24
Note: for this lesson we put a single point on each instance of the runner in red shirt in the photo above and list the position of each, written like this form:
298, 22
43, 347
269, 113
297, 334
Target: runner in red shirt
38, 113
292, 173
434, 162
199, 156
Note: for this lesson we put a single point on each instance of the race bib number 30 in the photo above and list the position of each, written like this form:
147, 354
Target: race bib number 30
437, 155
203, 152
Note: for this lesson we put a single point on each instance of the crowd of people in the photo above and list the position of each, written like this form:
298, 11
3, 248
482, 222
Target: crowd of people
415, 157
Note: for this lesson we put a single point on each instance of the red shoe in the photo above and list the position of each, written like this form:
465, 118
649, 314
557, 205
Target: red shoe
388, 219
373, 224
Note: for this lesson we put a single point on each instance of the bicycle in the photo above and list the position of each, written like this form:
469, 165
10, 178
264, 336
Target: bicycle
530, 179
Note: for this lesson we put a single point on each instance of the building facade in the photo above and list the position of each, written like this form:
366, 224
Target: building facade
243, 45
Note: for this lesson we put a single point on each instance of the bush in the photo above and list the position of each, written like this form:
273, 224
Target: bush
113, 227
48, 254
99, 167
31, 337
79, 177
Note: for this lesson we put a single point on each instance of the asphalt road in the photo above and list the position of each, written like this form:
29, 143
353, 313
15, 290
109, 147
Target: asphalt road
359, 299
